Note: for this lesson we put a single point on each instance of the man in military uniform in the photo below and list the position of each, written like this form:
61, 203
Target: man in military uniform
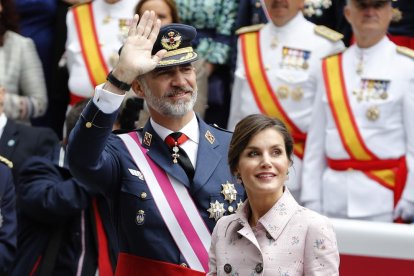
96, 31
8, 221
359, 156
169, 182
62, 226
275, 72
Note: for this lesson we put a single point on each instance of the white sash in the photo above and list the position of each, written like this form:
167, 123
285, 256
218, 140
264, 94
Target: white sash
175, 205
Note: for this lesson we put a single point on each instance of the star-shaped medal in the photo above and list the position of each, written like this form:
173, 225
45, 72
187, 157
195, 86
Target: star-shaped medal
229, 192
216, 210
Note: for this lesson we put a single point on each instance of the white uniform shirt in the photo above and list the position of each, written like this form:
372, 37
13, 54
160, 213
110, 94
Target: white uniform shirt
298, 33
107, 24
351, 193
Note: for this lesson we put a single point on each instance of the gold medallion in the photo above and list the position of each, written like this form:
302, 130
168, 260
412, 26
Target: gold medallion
229, 192
282, 92
373, 113
297, 93
216, 210
113, 59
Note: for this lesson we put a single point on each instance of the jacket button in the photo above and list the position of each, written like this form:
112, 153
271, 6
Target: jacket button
259, 268
183, 265
143, 195
227, 268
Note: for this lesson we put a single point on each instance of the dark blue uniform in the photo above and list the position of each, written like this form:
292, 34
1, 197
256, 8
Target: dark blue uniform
55, 211
8, 222
101, 159
19, 142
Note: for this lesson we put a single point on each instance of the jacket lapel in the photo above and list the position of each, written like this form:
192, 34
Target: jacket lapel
208, 157
159, 153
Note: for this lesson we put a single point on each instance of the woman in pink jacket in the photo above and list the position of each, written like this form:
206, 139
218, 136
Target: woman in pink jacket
270, 234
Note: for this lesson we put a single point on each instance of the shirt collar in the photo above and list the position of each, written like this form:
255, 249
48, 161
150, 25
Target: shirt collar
191, 129
3, 121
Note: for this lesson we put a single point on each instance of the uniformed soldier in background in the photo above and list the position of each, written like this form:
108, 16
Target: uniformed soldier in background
359, 157
169, 182
276, 68
8, 220
96, 31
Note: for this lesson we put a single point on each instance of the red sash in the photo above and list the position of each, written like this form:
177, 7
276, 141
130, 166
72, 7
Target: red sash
262, 90
130, 265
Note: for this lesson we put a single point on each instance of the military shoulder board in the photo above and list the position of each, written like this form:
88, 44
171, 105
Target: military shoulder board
249, 29
6, 161
328, 33
405, 51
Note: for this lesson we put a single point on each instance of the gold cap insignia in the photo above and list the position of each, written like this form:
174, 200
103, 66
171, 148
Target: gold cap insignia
171, 41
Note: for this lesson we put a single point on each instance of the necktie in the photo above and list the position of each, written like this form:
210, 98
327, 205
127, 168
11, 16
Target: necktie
174, 140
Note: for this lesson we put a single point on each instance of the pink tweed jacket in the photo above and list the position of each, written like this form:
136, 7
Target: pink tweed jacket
288, 240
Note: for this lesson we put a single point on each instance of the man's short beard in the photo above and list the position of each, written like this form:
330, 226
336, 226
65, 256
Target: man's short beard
164, 106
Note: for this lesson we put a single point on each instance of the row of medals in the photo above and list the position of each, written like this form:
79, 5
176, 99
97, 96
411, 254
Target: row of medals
372, 90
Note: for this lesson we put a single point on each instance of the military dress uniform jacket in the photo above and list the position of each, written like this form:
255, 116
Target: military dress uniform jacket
102, 160
288, 240
293, 80
8, 221
382, 102
55, 211
19, 142
111, 24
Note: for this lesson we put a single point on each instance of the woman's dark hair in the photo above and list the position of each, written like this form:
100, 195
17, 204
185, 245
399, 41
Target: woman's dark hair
8, 19
249, 127
170, 3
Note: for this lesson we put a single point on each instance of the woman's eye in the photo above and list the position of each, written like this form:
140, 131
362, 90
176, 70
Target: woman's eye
253, 153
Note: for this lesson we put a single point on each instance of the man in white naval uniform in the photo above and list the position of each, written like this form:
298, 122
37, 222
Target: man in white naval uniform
281, 83
90, 59
359, 156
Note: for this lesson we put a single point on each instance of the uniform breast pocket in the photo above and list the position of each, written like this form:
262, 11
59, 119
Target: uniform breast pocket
294, 85
377, 113
136, 201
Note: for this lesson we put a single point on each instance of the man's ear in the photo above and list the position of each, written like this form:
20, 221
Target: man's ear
137, 88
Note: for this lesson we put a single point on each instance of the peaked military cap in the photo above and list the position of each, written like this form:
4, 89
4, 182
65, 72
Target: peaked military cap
177, 40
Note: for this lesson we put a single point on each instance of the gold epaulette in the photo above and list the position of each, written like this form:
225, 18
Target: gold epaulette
249, 29
6, 161
405, 51
328, 33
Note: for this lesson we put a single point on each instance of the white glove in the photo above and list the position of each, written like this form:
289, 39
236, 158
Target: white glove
314, 205
405, 210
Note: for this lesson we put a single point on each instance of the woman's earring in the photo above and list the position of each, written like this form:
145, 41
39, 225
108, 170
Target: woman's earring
238, 179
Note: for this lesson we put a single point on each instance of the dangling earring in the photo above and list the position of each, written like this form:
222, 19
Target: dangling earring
238, 179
